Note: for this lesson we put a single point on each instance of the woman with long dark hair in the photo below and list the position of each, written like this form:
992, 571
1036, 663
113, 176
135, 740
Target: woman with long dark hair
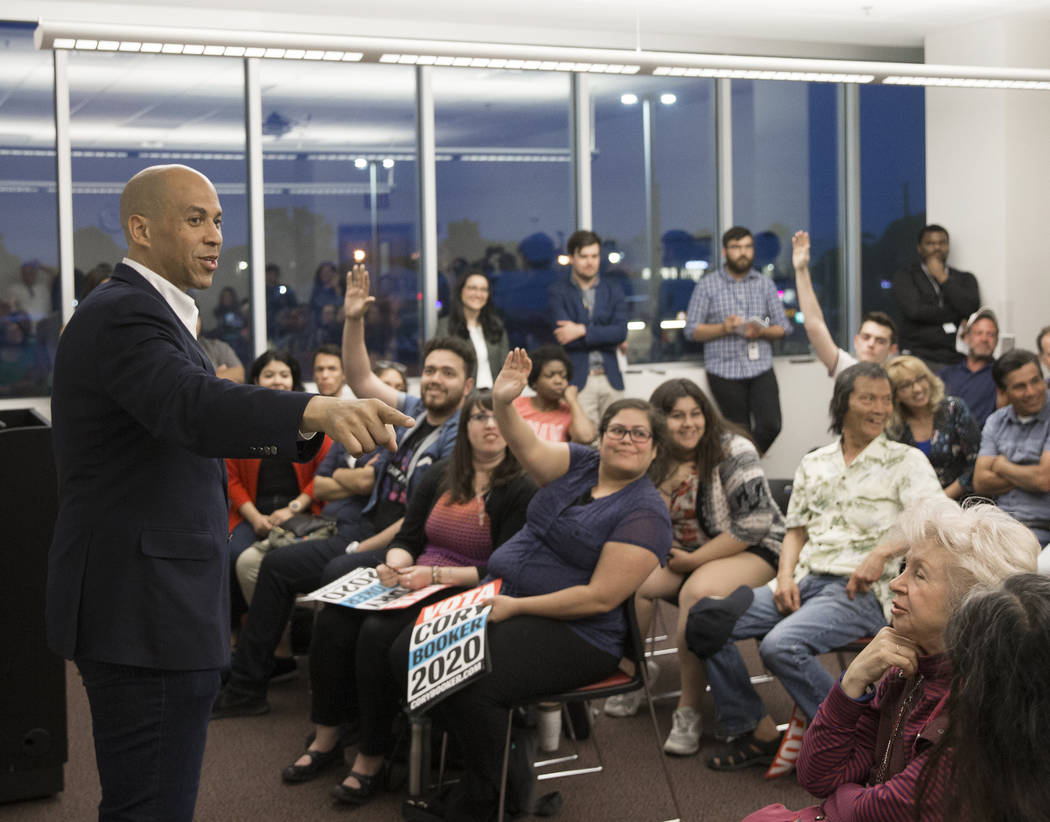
998, 740
472, 317
464, 507
727, 533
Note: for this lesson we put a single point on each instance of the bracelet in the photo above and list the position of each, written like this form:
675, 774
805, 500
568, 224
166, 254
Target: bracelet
433, 575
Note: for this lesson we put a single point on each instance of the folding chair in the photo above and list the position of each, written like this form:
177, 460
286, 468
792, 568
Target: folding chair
616, 683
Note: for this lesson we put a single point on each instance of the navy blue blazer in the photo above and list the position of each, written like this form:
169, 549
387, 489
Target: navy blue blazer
605, 330
138, 569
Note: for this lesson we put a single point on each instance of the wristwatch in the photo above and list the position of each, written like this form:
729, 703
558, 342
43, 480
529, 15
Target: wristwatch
295, 506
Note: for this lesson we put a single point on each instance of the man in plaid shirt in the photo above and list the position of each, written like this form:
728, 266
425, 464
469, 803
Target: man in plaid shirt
736, 311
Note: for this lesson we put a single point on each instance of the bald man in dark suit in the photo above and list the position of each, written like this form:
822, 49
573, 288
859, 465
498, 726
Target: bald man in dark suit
138, 593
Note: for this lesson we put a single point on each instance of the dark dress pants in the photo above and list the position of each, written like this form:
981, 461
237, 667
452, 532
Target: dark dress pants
753, 404
150, 727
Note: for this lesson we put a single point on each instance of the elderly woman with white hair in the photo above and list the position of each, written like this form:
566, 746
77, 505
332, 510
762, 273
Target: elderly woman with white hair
865, 750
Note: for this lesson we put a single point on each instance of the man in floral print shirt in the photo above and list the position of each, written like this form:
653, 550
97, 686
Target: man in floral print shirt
832, 581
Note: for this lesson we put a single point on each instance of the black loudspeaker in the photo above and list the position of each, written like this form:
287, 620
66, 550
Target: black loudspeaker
33, 742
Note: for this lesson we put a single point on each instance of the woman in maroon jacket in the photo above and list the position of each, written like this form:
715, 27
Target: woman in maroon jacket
871, 737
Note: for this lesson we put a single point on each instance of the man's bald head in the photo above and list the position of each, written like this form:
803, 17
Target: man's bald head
148, 193
172, 222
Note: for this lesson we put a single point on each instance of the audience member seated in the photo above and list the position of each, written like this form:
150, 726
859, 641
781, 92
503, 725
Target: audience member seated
727, 533
266, 492
595, 530
392, 373
971, 380
328, 372
223, 358
875, 342
831, 586
448, 369
464, 507
473, 317
23, 370
31, 296
872, 737
999, 646
939, 426
555, 413
1014, 462
1042, 347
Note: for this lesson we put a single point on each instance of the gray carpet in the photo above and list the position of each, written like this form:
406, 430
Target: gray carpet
241, 775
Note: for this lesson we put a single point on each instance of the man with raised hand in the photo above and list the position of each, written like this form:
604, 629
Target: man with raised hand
138, 587
876, 341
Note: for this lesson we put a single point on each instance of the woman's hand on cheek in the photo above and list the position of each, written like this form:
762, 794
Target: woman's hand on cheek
888, 649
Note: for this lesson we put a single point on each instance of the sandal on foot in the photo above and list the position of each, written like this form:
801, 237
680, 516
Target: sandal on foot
369, 786
743, 752
319, 760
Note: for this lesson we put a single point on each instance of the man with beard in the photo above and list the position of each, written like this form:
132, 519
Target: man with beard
933, 299
971, 380
736, 311
448, 376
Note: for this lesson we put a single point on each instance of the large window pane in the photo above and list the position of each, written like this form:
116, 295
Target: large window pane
340, 170
893, 190
29, 286
131, 111
504, 187
785, 178
661, 256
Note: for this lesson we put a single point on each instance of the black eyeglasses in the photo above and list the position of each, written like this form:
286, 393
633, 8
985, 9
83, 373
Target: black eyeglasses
618, 432
482, 417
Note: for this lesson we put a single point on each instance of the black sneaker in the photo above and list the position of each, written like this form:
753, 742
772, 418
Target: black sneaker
230, 703
285, 669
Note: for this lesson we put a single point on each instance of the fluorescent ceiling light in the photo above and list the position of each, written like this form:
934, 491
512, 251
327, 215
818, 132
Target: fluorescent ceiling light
412, 52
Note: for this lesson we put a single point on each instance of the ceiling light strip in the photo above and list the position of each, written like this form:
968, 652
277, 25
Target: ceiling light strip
403, 51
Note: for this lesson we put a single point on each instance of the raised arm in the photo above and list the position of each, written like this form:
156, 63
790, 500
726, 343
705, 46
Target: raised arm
356, 365
544, 461
816, 329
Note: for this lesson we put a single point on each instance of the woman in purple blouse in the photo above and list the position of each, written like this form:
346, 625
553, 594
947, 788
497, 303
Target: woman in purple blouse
594, 531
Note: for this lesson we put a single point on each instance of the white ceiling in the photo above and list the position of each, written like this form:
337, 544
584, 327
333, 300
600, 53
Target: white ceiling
869, 29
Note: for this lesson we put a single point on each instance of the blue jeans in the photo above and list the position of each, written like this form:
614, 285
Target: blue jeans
149, 727
826, 620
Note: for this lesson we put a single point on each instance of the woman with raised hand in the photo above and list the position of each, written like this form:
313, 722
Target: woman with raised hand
473, 317
727, 533
867, 748
595, 530
940, 426
464, 507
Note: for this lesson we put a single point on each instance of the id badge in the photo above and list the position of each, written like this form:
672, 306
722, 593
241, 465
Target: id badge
752, 350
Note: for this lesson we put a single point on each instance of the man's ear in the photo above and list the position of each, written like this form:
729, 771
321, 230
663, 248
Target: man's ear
139, 230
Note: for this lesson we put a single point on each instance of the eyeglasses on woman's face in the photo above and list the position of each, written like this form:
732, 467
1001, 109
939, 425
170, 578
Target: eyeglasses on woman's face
637, 435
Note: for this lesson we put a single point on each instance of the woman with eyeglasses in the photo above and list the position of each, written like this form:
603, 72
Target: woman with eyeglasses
464, 507
727, 533
595, 530
392, 373
940, 426
473, 317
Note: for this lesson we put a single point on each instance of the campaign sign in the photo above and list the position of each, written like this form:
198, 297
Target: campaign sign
449, 646
362, 589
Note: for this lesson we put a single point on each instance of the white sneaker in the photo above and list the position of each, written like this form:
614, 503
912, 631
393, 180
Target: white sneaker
624, 704
629, 703
684, 739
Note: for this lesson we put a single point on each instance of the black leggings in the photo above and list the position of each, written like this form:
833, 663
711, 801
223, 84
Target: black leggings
349, 674
531, 656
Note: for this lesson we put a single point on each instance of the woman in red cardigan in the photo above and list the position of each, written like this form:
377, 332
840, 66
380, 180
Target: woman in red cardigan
266, 492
